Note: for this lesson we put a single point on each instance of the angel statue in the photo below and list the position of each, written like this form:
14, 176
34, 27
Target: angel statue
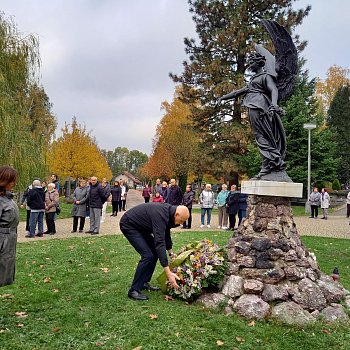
273, 80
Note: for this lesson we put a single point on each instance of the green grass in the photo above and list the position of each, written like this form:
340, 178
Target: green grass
72, 303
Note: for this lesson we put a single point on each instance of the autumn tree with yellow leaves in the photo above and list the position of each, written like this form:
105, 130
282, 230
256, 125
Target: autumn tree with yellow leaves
175, 146
337, 78
76, 154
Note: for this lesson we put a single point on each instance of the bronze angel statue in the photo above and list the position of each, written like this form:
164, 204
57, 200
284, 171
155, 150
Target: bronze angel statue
273, 81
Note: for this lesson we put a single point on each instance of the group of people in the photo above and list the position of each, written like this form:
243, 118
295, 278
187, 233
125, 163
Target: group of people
41, 198
319, 199
229, 203
90, 199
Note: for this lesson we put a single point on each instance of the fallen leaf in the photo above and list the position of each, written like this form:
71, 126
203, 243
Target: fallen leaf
55, 290
240, 339
99, 343
47, 279
20, 325
219, 343
177, 334
137, 348
55, 329
104, 269
21, 314
7, 296
153, 316
326, 331
251, 324
168, 297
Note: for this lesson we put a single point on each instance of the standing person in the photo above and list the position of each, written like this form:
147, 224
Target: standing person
221, 200
157, 198
54, 179
242, 207
325, 201
116, 193
315, 201
158, 186
44, 186
9, 219
348, 205
36, 202
187, 201
51, 201
206, 200
164, 190
147, 228
232, 204
24, 203
80, 199
174, 196
146, 193
107, 189
122, 202
97, 196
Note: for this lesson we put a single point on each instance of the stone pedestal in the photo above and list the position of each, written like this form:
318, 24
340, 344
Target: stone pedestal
271, 273
272, 188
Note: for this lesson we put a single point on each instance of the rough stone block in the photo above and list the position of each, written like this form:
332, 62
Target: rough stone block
252, 307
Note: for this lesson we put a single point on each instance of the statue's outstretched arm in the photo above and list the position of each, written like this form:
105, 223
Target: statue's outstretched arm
232, 95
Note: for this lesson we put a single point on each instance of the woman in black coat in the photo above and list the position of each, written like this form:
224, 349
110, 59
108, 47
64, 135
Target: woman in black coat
116, 193
232, 204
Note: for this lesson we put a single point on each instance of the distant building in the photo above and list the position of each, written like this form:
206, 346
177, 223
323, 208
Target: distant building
130, 179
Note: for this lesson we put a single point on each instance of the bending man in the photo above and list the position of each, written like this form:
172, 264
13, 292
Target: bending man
147, 228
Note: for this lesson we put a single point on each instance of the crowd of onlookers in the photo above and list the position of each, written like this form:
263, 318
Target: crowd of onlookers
89, 201
229, 203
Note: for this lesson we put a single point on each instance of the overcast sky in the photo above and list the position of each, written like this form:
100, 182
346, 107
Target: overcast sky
107, 61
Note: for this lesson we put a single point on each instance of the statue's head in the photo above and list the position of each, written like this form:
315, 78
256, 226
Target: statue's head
256, 61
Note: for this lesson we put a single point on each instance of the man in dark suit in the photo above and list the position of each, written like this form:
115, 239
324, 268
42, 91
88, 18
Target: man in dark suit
147, 228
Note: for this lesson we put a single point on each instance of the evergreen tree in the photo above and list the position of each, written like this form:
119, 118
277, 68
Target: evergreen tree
339, 121
216, 66
301, 108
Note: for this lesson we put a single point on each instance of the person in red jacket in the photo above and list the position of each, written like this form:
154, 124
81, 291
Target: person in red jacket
158, 198
146, 193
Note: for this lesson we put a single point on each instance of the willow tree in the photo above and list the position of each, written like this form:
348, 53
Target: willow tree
20, 146
217, 64
75, 154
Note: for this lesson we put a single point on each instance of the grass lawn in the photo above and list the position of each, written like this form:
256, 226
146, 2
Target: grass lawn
71, 294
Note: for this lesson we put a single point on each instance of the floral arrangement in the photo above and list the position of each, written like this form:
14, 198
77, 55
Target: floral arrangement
199, 265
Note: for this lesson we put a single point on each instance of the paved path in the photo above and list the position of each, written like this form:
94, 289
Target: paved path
336, 226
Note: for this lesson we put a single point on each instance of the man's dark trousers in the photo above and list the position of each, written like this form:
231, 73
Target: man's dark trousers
144, 245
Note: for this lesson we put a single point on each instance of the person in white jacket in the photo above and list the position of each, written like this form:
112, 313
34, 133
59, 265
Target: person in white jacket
325, 201
348, 205
206, 200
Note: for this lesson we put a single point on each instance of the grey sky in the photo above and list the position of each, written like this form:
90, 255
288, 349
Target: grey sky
107, 61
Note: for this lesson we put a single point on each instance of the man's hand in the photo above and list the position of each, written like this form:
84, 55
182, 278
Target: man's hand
172, 277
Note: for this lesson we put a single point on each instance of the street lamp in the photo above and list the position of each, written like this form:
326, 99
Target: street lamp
309, 127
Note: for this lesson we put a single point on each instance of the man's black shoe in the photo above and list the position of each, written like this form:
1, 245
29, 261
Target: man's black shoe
135, 295
88, 231
95, 233
150, 288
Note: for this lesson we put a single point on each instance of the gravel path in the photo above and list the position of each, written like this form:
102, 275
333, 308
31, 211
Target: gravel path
337, 225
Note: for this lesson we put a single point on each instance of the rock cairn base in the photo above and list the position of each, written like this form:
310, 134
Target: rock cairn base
271, 274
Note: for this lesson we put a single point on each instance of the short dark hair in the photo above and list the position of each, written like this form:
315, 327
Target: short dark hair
7, 175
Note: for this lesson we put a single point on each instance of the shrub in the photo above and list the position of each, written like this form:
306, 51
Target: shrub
336, 185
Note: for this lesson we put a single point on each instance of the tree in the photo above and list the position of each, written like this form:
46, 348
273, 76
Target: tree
217, 65
121, 159
339, 121
175, 144
337, 77
76, 154
22, 143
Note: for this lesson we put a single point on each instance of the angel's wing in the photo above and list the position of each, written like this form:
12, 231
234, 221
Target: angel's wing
286, 57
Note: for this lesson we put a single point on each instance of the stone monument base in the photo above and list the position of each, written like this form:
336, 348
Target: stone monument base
271, 274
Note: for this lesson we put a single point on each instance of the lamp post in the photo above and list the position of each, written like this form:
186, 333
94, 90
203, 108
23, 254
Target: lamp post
309, 127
